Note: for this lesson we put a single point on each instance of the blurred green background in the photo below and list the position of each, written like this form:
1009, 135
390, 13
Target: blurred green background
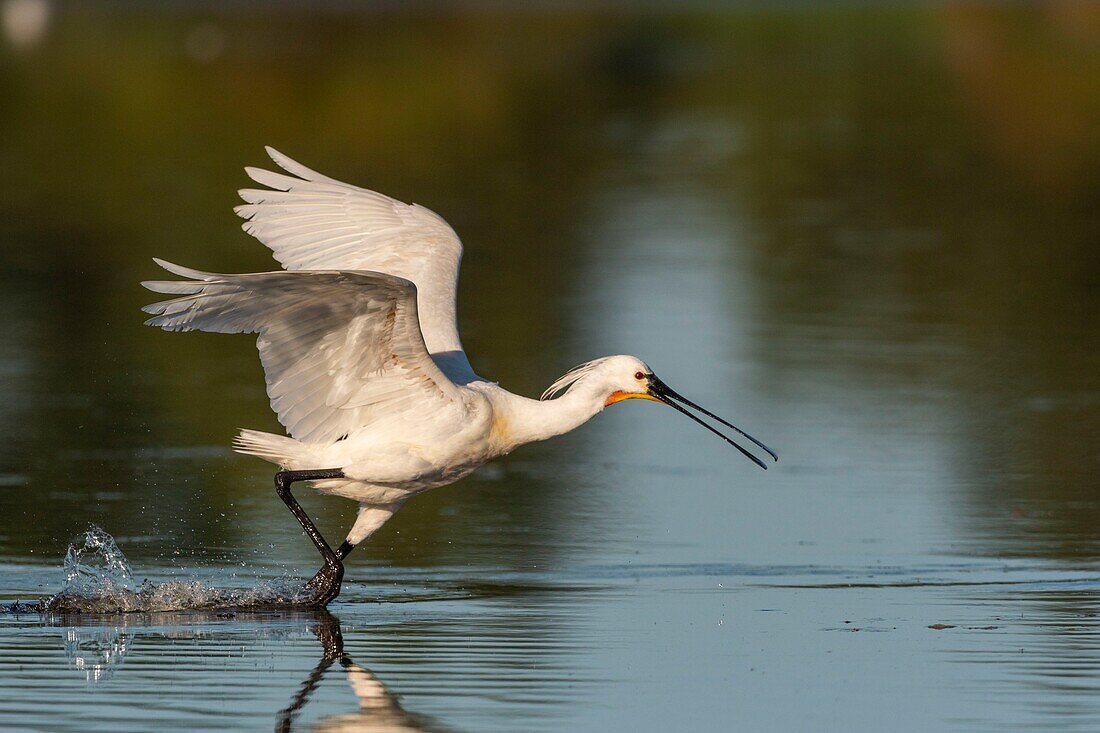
914, 194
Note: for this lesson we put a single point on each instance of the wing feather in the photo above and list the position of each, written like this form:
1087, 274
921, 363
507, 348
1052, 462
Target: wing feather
341, 350
313, 222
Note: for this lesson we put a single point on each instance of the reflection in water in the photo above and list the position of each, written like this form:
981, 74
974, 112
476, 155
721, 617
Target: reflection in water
1042, 647
1027, 630
379, 710
96, 646
97, 651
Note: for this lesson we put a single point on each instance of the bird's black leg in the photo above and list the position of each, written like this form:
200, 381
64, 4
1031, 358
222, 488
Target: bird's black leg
341, 552
326, 584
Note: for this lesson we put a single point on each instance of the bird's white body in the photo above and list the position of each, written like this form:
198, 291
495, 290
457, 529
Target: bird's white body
360, 347
385, 465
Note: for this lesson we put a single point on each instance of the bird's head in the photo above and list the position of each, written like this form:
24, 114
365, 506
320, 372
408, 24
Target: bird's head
616, 379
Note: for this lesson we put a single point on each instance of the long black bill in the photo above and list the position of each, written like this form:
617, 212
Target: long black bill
666, 394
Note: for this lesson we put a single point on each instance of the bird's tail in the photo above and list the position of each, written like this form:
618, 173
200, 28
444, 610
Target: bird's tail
279, 449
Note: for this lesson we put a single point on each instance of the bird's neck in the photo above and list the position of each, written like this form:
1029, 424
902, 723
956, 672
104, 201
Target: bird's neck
520, 420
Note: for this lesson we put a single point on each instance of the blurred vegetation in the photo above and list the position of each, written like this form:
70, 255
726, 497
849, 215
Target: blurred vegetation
919, 186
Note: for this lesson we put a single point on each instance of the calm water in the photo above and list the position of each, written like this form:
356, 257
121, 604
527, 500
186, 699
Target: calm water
868, 235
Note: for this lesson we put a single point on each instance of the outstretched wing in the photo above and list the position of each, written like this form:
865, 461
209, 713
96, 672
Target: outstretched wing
313, 222
341, 350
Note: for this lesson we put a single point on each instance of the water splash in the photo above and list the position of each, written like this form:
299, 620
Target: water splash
95, 566
98, 579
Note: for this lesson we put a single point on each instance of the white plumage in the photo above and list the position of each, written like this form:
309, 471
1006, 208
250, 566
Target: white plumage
342, 351
360, 348
312, 222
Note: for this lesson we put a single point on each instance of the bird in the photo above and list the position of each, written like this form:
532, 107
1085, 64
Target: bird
359, 343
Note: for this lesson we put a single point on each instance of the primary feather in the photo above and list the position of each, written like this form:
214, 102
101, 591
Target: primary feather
313, 222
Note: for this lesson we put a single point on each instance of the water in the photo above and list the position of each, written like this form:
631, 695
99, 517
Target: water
98, 580
867, 235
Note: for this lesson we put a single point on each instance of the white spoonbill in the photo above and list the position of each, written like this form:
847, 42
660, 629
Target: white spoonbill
363, 364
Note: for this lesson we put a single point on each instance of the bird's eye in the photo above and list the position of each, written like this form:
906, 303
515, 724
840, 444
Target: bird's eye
639, 375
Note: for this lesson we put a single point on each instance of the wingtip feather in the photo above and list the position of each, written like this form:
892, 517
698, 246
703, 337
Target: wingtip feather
183, 271
290, 165
277, 181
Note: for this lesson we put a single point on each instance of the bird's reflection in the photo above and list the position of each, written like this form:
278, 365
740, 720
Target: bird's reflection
379, 710
96, 646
